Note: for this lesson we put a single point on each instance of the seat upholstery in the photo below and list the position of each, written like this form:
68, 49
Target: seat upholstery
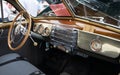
8, 57
18, 67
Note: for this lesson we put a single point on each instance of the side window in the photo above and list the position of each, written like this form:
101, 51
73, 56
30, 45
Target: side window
7, 11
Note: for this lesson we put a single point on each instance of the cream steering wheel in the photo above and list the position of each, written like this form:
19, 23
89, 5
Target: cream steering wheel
19, 31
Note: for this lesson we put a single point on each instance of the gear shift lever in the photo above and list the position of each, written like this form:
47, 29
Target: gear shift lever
34, 43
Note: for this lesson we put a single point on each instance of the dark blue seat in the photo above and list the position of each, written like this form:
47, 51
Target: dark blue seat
9, 65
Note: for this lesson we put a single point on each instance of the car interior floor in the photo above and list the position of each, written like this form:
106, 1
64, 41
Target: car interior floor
57, 62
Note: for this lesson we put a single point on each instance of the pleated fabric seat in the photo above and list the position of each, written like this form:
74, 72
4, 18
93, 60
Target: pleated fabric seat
11, 65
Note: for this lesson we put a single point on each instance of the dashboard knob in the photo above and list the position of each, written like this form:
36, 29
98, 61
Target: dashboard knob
35, 43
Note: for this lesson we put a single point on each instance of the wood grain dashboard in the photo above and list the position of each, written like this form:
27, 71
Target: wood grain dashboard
86, 26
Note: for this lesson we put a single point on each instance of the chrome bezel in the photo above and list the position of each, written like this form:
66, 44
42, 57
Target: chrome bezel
96, 41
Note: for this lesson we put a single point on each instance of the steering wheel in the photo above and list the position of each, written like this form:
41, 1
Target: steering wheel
19, 30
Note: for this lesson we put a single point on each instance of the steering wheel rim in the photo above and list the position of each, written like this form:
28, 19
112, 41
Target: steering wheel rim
27, 32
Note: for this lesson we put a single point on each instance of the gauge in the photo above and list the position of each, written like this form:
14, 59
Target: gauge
96, 45
46, 32
40, 29
35, 28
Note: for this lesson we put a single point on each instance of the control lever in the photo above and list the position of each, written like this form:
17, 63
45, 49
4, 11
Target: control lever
34, 43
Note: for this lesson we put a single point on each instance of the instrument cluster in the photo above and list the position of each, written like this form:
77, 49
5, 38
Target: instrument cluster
43, 29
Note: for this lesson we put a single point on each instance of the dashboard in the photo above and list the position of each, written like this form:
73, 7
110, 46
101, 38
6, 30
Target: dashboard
67, 39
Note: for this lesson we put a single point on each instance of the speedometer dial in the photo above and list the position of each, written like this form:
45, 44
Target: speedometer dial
35, 28
41, 29
96, 45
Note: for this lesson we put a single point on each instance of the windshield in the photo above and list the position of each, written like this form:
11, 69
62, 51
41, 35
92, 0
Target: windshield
45, 7
97, 10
